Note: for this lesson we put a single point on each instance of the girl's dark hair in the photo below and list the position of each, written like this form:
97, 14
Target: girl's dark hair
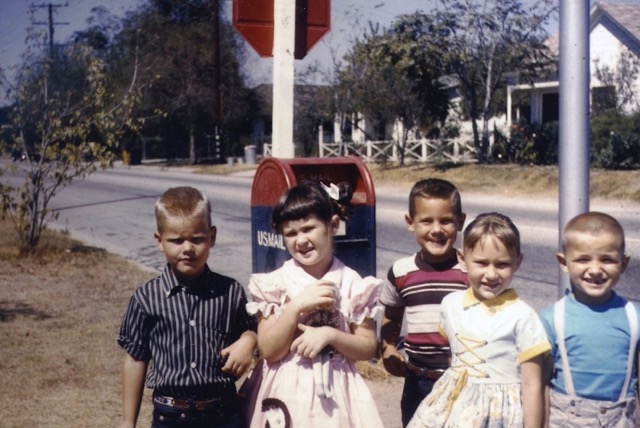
311, 198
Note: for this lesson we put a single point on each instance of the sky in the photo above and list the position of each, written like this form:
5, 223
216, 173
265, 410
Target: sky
349, 18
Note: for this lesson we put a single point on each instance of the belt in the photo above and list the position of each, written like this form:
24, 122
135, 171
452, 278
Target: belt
433, 374
183, 404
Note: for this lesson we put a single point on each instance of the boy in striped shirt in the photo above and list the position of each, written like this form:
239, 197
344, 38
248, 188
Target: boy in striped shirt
415, 287
191, 322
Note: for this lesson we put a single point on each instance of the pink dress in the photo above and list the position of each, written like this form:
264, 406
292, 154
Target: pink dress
287, 397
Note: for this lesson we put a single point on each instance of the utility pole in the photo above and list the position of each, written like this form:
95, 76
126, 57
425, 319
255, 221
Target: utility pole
574, 117
50, 22
284, 36
217, 83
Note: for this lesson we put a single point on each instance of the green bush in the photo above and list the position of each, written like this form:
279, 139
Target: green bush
530, 144
615, 141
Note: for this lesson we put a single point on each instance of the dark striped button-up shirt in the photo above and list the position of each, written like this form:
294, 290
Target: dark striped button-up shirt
183, 330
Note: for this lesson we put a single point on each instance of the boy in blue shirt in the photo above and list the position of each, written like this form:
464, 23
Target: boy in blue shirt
592, 369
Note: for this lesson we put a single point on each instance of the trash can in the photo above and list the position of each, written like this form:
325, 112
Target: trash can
250, 155
355, 243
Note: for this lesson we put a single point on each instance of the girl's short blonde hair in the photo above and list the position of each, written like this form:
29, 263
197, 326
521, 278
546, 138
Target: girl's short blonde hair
493, 224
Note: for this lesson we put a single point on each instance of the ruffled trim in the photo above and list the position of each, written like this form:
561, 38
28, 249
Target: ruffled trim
364, 301
267, 297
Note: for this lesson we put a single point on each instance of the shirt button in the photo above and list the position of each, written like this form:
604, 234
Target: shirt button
193, 365
192, 323
603, 410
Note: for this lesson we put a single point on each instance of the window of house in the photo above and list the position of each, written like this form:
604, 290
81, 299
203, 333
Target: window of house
603, 99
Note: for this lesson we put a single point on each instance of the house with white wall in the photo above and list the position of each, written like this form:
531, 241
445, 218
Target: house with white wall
614, 32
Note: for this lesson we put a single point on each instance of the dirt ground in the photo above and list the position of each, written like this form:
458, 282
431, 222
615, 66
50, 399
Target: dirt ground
387, 393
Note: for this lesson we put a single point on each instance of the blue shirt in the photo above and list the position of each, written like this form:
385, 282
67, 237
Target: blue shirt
597, 341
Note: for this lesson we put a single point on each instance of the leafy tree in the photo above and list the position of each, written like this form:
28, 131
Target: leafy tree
66, 123
393, 75
190, 71
487, 39
620, 82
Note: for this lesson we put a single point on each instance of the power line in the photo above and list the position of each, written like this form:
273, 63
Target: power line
51, 23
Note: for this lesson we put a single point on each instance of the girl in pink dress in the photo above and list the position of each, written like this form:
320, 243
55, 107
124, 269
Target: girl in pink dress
289, 337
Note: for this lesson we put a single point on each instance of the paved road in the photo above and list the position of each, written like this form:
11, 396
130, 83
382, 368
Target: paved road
113, 209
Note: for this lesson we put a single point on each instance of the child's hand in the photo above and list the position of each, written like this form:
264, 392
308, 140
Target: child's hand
319, 295
394, 362
239, 355
312, 340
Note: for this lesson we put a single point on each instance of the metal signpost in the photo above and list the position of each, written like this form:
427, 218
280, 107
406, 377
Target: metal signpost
574, 117
286, 30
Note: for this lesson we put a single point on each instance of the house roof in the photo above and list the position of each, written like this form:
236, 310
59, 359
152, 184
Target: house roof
626, 16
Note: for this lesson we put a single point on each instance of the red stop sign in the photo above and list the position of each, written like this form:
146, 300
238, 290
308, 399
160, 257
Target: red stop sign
254, 20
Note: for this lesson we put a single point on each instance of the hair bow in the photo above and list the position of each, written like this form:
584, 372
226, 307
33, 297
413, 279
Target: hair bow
332, 190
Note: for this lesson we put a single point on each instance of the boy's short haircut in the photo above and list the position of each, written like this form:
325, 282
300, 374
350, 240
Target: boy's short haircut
182, 202
592, 223
496, 225
434, 188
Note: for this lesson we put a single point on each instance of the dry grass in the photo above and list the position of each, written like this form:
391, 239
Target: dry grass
59, 315
504, 179
513, 179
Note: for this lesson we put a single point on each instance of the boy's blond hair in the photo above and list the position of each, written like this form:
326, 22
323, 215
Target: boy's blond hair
592, 223
182, 202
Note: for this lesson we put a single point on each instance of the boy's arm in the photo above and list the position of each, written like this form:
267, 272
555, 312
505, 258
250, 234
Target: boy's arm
547, 372
239, 355
133, 375
394, 362
532, 391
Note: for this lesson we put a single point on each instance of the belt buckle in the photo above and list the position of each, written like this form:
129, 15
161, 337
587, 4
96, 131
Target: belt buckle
167, 401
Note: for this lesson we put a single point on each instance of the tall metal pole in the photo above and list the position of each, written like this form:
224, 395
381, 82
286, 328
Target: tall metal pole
284, 33
217, 96
574, 116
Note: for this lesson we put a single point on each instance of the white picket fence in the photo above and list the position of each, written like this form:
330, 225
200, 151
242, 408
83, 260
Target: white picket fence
423, 151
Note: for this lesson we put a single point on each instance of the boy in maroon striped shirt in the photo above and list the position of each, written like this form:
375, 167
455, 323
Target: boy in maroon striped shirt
415, 287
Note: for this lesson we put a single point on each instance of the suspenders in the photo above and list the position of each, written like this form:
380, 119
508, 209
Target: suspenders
558, 320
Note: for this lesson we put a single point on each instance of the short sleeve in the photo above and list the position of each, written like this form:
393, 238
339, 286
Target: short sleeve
135, 330
389, 295
267, 296
364, 300
444, 325
244, 321
531, 338
546, 317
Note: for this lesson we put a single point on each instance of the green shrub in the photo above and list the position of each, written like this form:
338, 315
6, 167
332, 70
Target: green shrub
615, 141
530, 144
